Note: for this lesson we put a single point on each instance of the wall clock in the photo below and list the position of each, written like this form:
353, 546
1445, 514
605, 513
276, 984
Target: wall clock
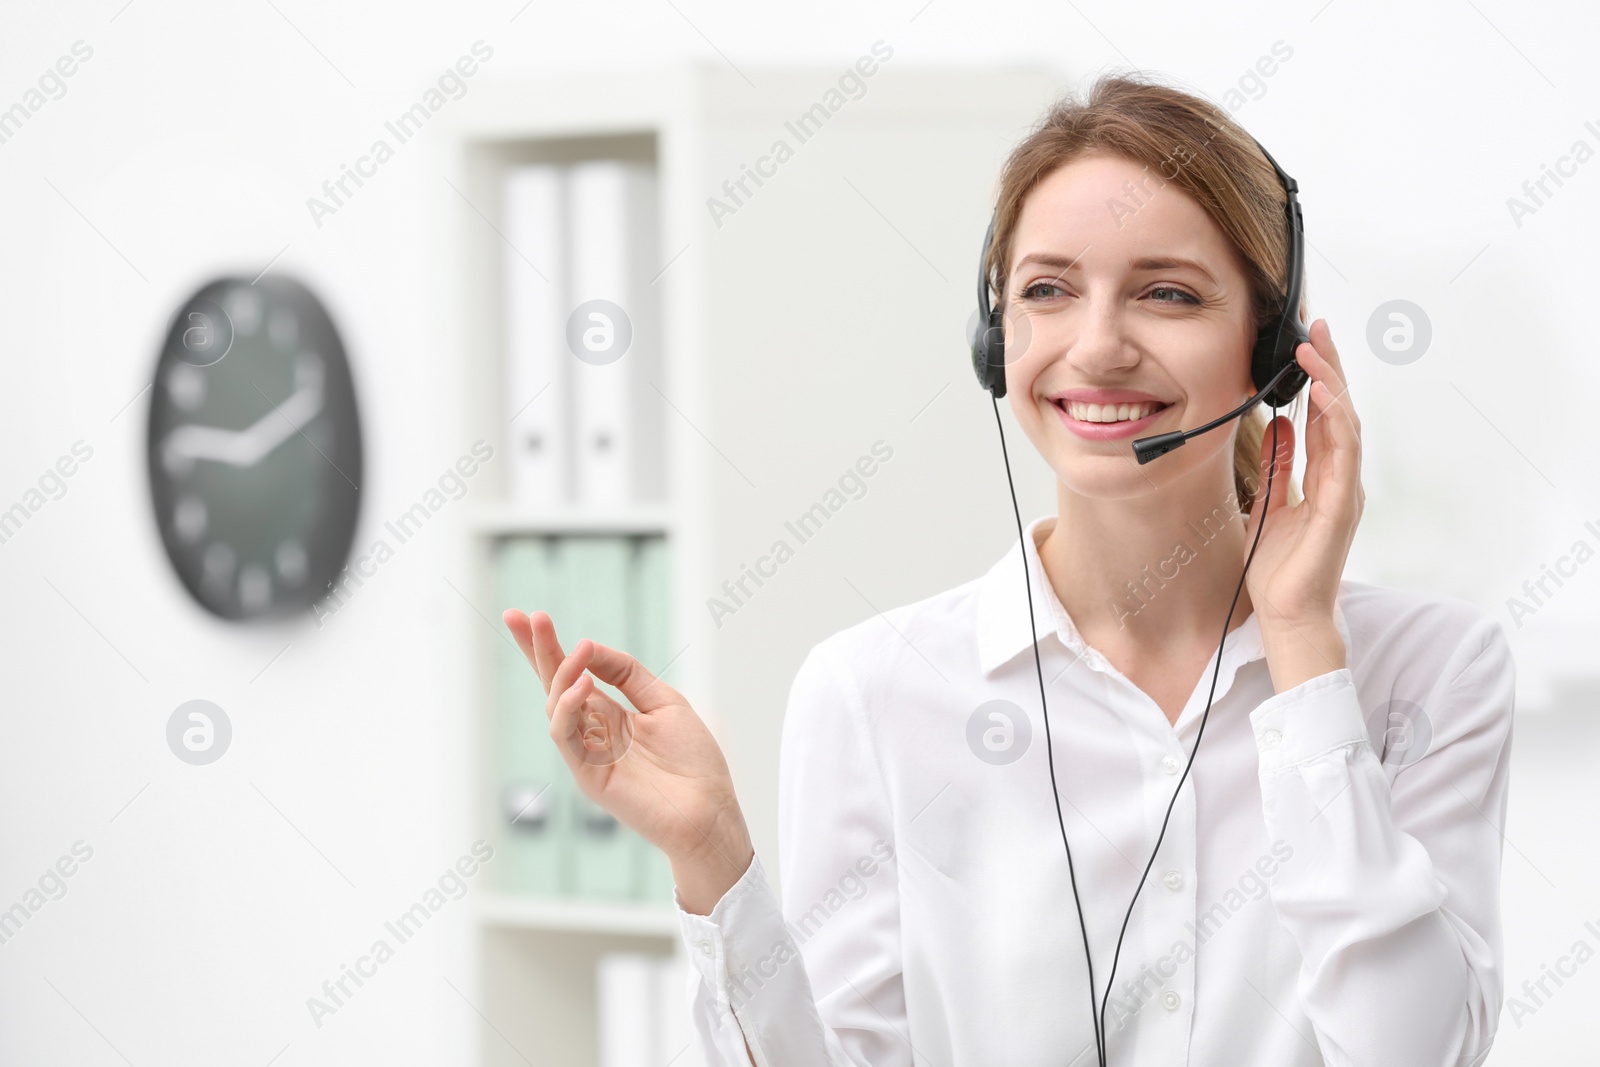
254, 448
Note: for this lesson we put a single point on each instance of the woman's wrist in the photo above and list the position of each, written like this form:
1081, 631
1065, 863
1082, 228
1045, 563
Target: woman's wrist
1300, 651
704, 873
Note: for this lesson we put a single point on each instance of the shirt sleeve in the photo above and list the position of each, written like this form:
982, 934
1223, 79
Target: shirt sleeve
819, 981
1393, 896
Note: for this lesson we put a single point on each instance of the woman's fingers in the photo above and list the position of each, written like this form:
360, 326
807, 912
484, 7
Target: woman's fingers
545, 646
643, 689
564, 711
1279, 476
1333, 432
1284, 461
535, 635
570, 671
522, 631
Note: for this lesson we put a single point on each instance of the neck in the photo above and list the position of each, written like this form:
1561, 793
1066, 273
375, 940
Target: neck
1159, 569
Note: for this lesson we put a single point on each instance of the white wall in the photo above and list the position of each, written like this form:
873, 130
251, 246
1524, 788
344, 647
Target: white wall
188, 145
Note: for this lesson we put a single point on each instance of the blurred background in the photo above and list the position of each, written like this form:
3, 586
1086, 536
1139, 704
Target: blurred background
290, 298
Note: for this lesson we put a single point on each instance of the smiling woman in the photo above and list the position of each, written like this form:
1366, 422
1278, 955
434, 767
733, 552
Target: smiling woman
1377, 939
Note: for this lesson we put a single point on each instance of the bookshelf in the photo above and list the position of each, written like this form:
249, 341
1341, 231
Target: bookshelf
937, 134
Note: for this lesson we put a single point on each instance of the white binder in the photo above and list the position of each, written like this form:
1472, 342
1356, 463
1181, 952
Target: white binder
612, 257
537, 363
626, 986
644, 1010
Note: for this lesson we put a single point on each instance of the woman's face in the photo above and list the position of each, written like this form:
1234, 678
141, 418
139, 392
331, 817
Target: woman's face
1121, 288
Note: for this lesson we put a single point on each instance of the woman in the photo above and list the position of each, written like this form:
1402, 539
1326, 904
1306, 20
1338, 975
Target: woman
1326, 886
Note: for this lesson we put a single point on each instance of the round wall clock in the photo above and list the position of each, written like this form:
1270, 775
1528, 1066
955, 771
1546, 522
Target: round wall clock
254, 448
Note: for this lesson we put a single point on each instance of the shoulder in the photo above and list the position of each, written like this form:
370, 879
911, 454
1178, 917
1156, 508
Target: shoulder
1415, 644
925, 638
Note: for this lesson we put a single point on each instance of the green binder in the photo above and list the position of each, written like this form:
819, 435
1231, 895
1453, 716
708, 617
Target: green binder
534, 787
650, 641
592, 581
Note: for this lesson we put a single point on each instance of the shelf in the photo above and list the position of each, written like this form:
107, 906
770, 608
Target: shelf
584, 916
498, 520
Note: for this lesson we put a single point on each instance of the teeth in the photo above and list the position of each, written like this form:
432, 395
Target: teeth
1109, 412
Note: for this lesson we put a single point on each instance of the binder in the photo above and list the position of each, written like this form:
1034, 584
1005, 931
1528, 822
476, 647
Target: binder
535, 786
650, 641
612, 257
627, 995
676, 1042
535, 347
644, 1011
592, 578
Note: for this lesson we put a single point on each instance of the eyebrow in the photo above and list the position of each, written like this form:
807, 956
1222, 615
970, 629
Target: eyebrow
1144, 263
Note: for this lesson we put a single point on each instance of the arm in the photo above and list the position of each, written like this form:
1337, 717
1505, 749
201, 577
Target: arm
1397, 912
817, 983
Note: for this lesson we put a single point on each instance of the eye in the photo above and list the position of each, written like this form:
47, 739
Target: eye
1030, 292
1187, 296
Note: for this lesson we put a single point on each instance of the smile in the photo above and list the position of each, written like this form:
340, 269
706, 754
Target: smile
1107, 422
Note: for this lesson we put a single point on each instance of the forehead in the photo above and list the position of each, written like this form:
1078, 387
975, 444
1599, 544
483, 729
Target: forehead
1108, 204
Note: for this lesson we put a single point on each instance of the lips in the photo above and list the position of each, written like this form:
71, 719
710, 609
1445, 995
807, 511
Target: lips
1109, 431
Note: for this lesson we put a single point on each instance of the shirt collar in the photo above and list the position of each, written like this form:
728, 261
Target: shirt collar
1003, 630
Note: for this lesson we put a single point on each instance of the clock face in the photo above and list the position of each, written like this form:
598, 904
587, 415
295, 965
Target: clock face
254, 448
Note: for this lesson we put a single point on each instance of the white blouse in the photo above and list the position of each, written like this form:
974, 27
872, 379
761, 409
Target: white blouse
1328, 891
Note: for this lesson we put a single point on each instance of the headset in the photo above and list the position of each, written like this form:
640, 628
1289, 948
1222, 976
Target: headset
1279, 377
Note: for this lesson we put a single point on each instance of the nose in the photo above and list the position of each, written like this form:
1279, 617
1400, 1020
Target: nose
1100, 346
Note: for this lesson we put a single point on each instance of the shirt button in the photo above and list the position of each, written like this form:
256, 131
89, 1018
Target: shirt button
1170, 1000
705, 946
1170, 764
1270, 739
1174, 880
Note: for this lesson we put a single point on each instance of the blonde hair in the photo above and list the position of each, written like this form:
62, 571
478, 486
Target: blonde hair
1196, 146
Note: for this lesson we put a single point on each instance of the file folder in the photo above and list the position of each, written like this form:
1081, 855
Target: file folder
536, 370
611, 257
650, 641
592, 580
534, 784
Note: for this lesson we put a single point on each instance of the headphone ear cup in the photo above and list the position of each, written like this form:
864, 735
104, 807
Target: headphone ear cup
989, 355
1274, 349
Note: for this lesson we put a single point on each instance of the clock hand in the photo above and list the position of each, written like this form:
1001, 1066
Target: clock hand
284, 421
247, 447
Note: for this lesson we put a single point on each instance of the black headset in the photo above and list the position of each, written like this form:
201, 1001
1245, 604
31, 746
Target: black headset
1272, 363
1278, 377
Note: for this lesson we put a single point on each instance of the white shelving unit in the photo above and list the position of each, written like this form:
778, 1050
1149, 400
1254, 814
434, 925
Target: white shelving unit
926, 143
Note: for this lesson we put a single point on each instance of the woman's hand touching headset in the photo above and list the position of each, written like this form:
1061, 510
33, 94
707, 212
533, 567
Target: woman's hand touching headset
1293, 579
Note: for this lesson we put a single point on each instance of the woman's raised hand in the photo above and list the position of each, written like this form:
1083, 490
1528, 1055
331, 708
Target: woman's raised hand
1295, 574
660, 772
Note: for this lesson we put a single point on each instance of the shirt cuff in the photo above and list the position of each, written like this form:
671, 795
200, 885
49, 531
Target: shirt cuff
748, 905
1314, 718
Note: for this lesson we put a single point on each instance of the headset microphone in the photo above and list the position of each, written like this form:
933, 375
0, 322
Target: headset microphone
1279, 377
1148, 448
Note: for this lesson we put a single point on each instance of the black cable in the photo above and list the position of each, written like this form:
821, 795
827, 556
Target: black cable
1048, 747
1098, 1014
1262, 525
